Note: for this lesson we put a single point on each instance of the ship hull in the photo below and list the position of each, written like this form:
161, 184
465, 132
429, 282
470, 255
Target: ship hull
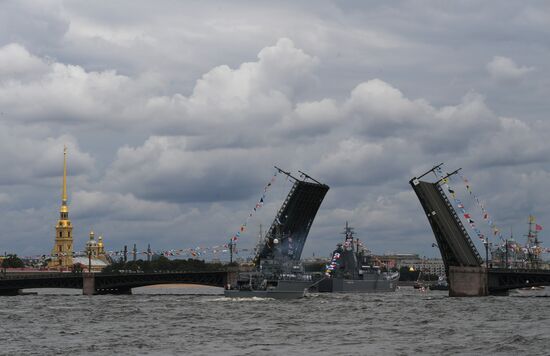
340, 285
284, 290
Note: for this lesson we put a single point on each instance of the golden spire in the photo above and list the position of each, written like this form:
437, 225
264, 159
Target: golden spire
64, 193
64, 208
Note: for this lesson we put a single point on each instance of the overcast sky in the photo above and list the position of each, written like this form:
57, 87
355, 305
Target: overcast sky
174, 114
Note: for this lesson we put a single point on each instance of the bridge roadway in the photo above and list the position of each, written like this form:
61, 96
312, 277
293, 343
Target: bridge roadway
112, 283
500, 280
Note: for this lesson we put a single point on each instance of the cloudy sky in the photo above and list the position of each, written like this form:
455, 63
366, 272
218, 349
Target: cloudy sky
174, 114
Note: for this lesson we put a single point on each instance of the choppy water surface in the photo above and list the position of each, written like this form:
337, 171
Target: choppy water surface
159, 321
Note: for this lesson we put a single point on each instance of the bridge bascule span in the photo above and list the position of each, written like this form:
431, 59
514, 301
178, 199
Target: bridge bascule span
466, 273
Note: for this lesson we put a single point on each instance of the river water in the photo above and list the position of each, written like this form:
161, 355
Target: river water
200, 321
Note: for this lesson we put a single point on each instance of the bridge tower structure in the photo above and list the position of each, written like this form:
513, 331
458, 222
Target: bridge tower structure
62, 252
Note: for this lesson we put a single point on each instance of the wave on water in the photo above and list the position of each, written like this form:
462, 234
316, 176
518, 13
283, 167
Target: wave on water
400, 323
240, 299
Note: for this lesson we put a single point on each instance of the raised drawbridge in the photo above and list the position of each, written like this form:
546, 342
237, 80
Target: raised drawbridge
285, 239
466, 271
454, 242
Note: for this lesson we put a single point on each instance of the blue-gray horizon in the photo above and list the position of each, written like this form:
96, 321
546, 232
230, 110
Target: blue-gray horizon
174, 116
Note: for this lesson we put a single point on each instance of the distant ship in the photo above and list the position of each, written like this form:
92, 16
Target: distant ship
353, 270
273, 280
278, 272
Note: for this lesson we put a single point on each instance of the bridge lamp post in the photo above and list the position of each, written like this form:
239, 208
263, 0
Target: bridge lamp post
90, 261
231, 246
506, 252
486, 243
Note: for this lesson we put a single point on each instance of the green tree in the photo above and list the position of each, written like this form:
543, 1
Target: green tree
12, 261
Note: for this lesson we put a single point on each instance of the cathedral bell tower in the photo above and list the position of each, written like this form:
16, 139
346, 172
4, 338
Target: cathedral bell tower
62, 253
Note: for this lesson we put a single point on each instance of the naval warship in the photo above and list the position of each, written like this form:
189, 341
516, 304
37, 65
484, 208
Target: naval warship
353, 270
272, 280
278, 272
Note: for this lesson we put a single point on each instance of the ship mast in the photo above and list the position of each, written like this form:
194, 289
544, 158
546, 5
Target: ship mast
532, 241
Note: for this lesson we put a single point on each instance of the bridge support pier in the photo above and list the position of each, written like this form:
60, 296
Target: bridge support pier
88, 284
468, 282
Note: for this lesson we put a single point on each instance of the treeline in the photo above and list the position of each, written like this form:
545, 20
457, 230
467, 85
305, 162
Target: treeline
164, 264
12, 261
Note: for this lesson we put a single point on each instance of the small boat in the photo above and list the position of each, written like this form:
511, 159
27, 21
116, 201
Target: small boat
419, 285
440, 285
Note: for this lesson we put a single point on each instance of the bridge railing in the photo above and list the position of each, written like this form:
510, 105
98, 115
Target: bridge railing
518, 270
31, 275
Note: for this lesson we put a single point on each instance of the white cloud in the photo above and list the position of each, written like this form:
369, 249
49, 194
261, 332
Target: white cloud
164, 168
505, 69
115, 206
29, 157
17, 62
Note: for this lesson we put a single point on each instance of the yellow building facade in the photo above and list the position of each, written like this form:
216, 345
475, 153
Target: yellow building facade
62, 252
95, 259
95, 248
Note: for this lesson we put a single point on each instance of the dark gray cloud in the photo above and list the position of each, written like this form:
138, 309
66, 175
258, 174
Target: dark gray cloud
175, 115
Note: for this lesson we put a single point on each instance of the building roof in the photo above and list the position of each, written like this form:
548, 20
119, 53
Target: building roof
84, 261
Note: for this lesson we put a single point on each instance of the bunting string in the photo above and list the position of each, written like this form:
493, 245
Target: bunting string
460, 205
257, 207
484, 213
333, 264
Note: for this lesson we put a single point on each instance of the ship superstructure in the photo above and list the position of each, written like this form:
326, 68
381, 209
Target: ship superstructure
354, 269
